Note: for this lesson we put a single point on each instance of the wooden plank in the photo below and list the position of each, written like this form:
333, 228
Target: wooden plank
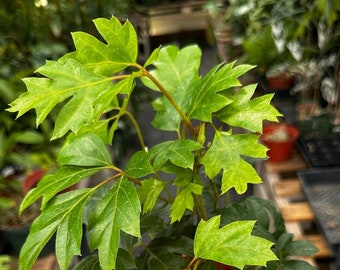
300, 211
295, 163
45, 263
288, 187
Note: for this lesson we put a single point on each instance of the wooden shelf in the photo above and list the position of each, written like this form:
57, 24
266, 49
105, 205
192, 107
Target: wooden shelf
282, 187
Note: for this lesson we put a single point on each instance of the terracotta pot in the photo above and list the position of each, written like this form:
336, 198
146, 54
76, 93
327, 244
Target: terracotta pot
32, 179
283, 82
280, 149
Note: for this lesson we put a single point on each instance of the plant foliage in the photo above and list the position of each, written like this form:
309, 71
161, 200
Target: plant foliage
91, 89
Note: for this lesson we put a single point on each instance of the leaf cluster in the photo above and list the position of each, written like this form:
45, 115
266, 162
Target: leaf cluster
152, 211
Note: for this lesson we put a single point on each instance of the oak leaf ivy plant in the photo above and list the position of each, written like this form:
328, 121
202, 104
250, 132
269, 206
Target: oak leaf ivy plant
132, 219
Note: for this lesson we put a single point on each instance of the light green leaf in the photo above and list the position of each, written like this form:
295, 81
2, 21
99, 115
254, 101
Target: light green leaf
232, 244
179, 152
177, 71
85, 150
64, 215
249, 113
204, 97
118, 210
226, 152
65, 79
152, 58
139, 165
52, 184
119, 51
149, 192
184, 200
28, 137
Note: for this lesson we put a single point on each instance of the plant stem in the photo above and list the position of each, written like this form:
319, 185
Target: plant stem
171, 100
200, 207
139, 133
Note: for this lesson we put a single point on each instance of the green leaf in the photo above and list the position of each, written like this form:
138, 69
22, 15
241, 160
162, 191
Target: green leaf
149, 192
226, 152
85, 150
152, 58
52, 184
119, 51
139, 165
178, 152
270, 223
184, 200
288, 247
65, 79
249, 113
177, 71
232, 244
298, 264
125, 260
64, 215
204, 97
28, 137
118, 210
89, 262
165, 253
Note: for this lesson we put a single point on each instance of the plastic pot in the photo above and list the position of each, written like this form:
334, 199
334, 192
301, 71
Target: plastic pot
280, 140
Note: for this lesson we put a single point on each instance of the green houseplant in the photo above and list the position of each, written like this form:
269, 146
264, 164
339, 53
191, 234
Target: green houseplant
167, 207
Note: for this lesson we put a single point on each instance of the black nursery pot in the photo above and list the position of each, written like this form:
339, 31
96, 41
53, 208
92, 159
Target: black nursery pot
17, 237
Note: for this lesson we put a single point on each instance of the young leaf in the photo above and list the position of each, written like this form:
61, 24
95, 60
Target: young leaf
204, 97
226, 153
86, 150
177, 71
232, 244
152, 58
149, 192
63, 214
184, 200
119, 52
178, 152
248, 113
139, 165
118, 210
52, 184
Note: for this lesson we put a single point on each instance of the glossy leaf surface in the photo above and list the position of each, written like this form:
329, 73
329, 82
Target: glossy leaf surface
118, 210
232, 244
64, 216
226, 152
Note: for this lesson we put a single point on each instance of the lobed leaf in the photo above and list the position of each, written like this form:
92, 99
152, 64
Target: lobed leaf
118, 210
176, 70
86, 150
64, 216
165, 253
184, 200
52, 184
205, 98
226, 152
232, 244
119, 51
149, 192
139, 165
179, 152
65, 79
248, 113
